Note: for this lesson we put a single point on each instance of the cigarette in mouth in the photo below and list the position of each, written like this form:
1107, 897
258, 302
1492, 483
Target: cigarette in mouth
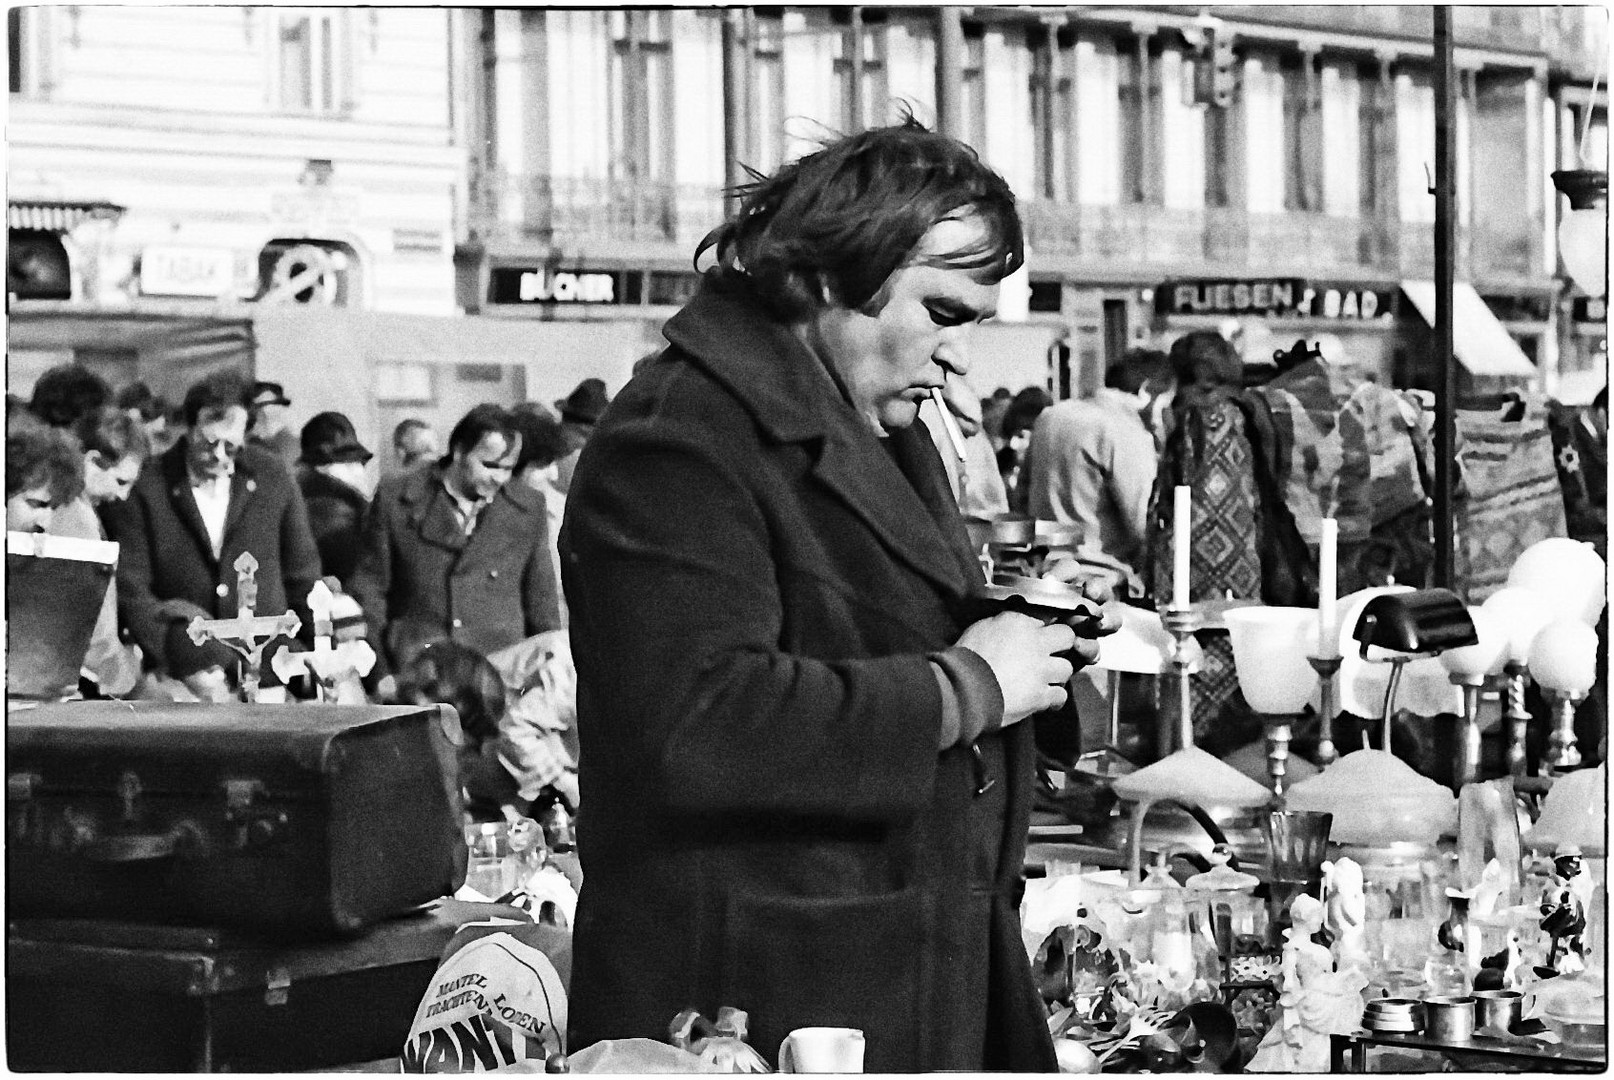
950, 422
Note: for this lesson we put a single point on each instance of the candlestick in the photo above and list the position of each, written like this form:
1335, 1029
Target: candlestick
1518, 718
1562, 753
1279, 730
1182, 660
1327, 669
1466, 767
1181, 545
1328, 590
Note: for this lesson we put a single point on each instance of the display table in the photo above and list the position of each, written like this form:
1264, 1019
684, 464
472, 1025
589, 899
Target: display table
1348, 1053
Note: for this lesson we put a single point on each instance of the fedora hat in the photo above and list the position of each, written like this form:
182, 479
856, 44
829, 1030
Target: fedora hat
329, 438
585, 404
267, 393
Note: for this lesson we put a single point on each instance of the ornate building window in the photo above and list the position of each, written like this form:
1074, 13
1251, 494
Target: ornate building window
310, 60
862, 84
641, 109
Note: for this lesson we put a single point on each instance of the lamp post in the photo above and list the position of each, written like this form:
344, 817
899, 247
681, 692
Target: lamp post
1583, 232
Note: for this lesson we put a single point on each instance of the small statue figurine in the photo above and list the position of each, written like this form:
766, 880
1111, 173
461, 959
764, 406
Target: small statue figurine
1345, 913
1316, 1001
1563, 914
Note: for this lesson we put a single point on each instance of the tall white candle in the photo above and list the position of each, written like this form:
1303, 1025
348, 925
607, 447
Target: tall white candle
1181, 543
1328, 590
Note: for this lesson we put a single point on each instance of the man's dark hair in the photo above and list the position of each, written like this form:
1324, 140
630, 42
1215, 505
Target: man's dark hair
66, 392
542, 440
840, 221
405, 426
1206, 358
220, 390
113, 434
41, 456
1024, 409
139, 396
483, 420
1140, 368
448, 673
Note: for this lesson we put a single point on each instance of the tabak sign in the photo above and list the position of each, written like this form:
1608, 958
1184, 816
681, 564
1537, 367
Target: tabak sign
1276, 297
542, 285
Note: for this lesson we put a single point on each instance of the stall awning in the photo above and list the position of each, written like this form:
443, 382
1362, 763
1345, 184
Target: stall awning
56, 216
1482, 344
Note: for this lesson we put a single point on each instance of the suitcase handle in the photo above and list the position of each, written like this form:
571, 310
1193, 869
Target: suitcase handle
183, 839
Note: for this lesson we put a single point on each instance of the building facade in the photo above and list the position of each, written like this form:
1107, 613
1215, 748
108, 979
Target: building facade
1178, 167
252, 154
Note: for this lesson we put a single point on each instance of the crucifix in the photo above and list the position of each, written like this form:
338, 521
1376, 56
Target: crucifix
333, 667
247, 633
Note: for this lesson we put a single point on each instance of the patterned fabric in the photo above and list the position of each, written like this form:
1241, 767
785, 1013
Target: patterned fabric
1513, 496
1321, 421
1401, 545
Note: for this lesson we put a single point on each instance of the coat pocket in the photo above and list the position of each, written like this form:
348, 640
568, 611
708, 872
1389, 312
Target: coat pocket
858, 962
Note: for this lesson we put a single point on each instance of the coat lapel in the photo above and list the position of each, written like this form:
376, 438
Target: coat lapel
179, 493
243, 486
793, 399
430, 513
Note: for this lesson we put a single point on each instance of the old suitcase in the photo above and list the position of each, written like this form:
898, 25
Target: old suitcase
297, 821
55, 586
91, 995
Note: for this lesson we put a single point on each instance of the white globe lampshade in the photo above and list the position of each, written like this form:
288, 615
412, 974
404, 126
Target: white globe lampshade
1569, 574
1564, 656
1270, 650
1524, 612
1583, 243
1488, 656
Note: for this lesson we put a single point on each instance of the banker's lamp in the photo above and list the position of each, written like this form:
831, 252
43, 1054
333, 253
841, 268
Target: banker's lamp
1423, 622
1583, 231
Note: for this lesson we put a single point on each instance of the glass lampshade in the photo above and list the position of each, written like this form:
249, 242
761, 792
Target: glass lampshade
1583, 243
1563, 657
1524, 612
1270, 650
1568, 574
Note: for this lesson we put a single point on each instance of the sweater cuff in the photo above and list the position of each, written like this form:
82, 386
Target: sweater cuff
972, 701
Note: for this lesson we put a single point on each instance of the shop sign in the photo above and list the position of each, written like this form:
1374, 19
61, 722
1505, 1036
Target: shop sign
167, 270
517, 285
315, 208
1280, 297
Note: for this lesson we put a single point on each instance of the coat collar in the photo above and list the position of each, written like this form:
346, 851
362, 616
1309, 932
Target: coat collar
430, 513
792, 398
177, 479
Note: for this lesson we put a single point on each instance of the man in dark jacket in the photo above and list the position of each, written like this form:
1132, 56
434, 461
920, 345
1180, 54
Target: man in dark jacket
807, 776
456, 551
193, 511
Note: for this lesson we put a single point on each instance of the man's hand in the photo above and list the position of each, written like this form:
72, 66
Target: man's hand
1025, 656
1097, 589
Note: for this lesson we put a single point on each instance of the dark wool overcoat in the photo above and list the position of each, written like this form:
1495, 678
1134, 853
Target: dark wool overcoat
165, 554
336, 512
755, 581
421, 578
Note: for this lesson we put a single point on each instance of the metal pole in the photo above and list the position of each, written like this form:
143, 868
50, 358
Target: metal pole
735, 112
1445, 249
949, 72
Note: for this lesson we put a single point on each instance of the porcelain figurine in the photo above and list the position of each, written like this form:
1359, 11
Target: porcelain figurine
1345, 914
1316, 1001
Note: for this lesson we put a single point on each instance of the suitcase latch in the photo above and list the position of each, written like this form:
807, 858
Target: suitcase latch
253, 828
128, 794
20, 786
277, 986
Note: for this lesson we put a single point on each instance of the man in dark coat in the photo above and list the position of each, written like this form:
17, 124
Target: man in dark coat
192, 512
456, 551
806, 776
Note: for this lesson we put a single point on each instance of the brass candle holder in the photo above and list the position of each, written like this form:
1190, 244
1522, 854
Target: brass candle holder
1562, 754
1183, 658
1518, 718
1327, 669
1466, 767
1279, 731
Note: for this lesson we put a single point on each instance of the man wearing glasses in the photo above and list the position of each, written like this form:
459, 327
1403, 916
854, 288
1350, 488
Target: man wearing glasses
192, 512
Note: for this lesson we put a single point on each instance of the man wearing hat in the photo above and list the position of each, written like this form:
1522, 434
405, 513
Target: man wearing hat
336, 486
579, 411
267, 425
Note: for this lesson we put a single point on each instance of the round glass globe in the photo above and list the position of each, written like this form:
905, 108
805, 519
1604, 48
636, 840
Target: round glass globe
1564, 657
1569, 574
1524, 612
1488, 655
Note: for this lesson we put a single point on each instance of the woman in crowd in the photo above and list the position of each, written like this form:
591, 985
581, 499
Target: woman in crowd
336, 487
43, 474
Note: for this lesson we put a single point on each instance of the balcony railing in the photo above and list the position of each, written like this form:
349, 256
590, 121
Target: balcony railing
573, 211
1511, 27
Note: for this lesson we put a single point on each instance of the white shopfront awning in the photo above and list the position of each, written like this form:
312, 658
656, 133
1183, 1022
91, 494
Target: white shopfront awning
1480, 342
46, 215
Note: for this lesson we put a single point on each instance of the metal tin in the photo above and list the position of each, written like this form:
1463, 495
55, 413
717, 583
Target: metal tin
1449, 1019
1498, 1008
1401, 1015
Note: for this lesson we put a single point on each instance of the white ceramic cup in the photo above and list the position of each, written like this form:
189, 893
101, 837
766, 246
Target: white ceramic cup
822, 1050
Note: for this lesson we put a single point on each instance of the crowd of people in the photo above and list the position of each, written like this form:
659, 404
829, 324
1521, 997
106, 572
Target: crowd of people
452, 560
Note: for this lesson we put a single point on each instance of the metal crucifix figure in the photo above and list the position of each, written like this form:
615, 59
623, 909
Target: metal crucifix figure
247, 633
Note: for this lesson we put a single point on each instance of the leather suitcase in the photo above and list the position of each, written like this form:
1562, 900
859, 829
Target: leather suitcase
101, 996
296, 821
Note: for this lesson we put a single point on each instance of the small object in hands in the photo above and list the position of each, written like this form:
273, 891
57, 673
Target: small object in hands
1041, 598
